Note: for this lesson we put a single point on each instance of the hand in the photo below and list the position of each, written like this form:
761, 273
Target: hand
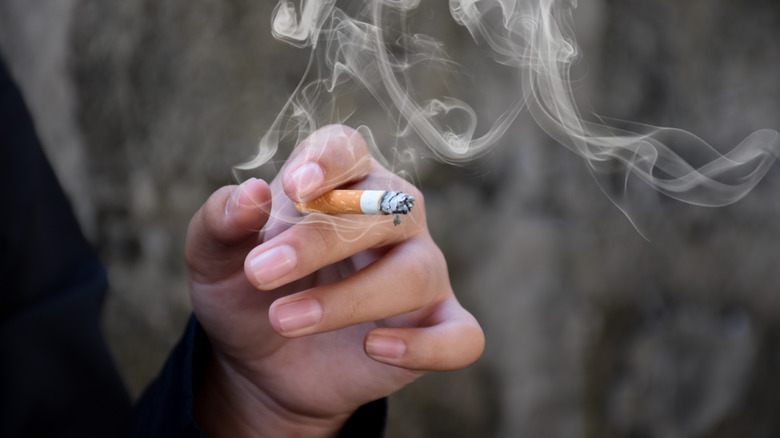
312, 316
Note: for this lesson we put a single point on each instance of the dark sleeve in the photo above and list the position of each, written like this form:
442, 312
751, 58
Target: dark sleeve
56, 376
368, 421
165, 410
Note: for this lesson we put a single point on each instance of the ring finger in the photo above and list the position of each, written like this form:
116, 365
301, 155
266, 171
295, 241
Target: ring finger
400, 282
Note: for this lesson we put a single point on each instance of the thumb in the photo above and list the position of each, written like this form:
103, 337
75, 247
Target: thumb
225, 229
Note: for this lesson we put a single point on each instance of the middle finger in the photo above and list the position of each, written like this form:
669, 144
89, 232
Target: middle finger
409, 277
320, 240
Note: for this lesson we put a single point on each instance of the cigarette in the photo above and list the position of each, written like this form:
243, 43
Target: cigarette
359, 202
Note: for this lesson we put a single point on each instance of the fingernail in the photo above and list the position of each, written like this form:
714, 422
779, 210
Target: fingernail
298, 314
307, 178
270, 265
385, 347
238, 196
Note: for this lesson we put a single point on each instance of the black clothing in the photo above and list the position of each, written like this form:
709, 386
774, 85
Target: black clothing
56, 376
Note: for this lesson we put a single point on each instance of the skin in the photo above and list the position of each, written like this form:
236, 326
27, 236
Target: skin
373, 301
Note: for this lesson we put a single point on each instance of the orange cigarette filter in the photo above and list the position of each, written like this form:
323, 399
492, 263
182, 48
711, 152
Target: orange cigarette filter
359, 202
334, 202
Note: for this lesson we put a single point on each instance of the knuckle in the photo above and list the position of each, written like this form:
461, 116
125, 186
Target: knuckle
344, 150
432, 358
417, 274
426, 272
318, 240
476, 346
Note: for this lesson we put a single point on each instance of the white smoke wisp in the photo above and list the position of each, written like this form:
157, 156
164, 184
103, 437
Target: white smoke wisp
351, 48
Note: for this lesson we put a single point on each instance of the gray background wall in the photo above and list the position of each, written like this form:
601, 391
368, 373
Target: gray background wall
592, 331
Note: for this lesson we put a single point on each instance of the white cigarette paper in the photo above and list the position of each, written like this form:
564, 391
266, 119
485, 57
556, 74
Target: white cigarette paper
359, 202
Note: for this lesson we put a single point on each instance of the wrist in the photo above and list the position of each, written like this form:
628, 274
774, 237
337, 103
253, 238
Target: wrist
228, 404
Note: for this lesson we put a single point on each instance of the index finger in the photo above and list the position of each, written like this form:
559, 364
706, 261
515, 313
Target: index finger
331, 157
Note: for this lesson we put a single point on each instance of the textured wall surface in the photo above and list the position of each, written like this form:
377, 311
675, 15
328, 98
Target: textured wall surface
592, 330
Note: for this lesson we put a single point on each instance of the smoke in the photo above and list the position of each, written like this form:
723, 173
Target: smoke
368, 47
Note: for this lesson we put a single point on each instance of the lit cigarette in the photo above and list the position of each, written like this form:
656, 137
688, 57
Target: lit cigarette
360, 202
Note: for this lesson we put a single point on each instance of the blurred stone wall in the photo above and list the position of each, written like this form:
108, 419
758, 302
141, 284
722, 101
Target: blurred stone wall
591, 330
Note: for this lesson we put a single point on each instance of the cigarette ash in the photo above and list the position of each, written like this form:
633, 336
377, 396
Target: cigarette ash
396, 203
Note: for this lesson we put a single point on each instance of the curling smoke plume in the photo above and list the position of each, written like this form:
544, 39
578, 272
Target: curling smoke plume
367, 46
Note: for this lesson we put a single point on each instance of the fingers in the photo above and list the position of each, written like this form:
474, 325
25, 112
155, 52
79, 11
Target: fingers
407, 286
331, 157
334, 156
320, 240
316, 242
409, 277
453, 341
225, 228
